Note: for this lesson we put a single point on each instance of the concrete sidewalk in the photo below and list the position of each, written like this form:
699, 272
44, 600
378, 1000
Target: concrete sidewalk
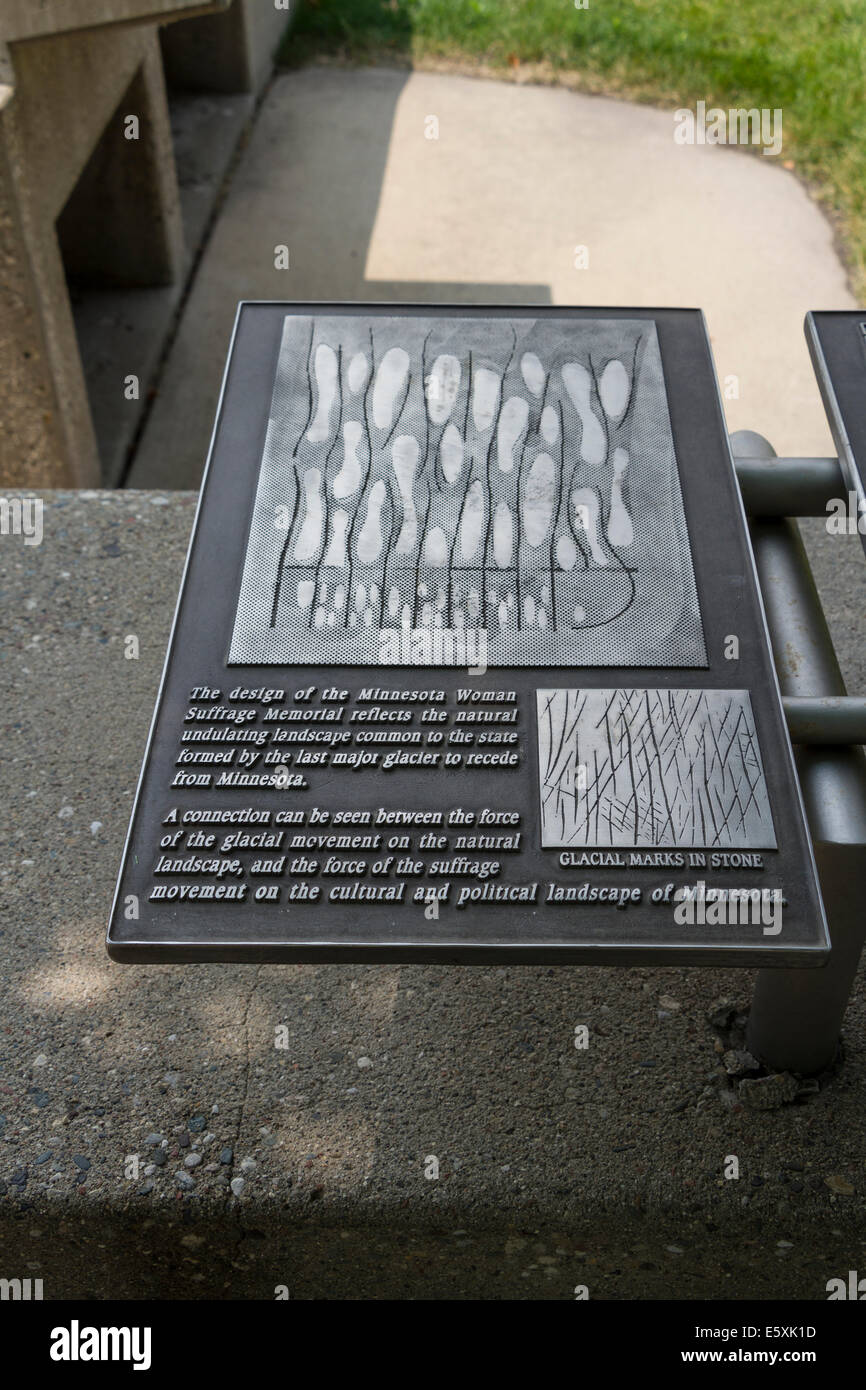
340, 170
155, 1142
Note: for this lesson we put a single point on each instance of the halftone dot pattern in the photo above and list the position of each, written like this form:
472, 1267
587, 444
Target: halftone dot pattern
425, 479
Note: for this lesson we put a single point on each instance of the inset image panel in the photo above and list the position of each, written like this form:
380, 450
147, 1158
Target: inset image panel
651, 767
464, 491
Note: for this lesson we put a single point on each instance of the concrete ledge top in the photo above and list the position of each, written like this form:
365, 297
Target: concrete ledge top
293, 1111
30, 19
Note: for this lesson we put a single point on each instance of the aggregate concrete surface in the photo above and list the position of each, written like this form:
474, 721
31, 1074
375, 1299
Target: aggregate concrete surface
156, 1141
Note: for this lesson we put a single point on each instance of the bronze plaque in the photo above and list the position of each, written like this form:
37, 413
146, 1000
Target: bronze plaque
469, 661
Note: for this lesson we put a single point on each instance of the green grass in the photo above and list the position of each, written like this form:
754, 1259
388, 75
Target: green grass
806, 56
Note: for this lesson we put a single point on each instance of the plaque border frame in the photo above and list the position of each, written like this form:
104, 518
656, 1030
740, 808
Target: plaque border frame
127, 944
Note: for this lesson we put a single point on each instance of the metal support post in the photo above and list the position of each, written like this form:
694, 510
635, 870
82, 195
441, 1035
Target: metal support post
796, 1015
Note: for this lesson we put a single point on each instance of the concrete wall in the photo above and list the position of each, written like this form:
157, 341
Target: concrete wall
79, 198
559, 1167
67, 90
31, 445
265, 26
230, 52
27, 19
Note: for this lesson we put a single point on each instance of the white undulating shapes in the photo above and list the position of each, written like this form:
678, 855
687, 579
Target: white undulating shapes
436, 547
578, 384
566, 553
586, 516
348, 480
503, 535
325, 371
404, 456
306, 591
451, 453
371, 536
337, 557
388, 386
310, 536
442, 386
549, 425
620, 531
613, 388
485, 398
357, 374
511, 462
512, 423
532, 372
472, 522
539, 497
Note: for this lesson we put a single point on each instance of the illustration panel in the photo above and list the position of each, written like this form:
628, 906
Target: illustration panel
651, 767
462, 491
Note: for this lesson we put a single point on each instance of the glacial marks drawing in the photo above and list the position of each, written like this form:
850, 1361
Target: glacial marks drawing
651, 767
